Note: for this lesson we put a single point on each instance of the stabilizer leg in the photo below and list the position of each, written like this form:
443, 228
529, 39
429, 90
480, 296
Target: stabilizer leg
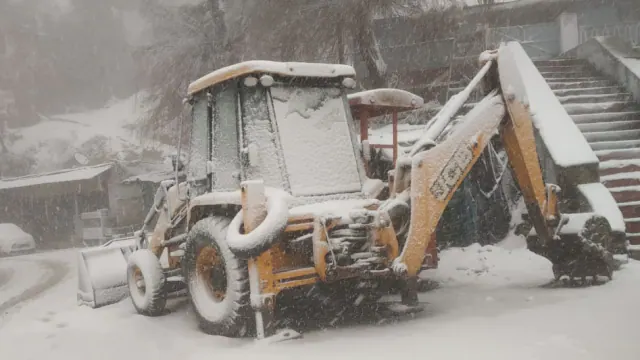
409, 299
409, 293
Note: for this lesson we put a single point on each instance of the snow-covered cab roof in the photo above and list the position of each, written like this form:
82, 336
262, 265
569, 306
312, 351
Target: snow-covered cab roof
291, 69
383, 101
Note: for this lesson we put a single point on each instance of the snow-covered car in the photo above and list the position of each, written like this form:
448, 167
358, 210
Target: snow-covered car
14, 240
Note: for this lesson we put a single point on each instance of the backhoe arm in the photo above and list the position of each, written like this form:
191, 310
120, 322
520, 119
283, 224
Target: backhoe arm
437, 172
519, 142
439, 167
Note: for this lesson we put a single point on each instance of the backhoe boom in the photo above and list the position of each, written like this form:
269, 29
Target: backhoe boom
519, 142
441, 163
437, 172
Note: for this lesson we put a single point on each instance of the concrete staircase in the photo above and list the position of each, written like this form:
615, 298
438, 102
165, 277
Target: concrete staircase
609, 118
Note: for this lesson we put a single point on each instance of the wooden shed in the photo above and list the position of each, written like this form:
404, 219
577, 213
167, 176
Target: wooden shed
48, 205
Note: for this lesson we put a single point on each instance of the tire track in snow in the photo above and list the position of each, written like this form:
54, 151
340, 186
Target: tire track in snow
5, 277
56, 272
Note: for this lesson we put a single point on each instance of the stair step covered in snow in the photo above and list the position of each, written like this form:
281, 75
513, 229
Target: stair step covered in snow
618, 167
593, 91
618, 180
608, 116
569, 74
614, 145
590, 98
609, 126
633, 225
560, 62
626, 194
556, 84
561, 68
612, 135
619, 154
630, 210
609, 106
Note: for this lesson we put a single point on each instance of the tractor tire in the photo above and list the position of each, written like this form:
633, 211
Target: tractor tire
216, 279
146, 282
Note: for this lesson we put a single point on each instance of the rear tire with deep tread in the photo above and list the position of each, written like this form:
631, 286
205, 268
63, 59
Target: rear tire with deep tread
220, 309
144, 269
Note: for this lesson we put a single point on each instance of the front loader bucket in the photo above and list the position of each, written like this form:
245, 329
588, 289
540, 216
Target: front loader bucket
102, 273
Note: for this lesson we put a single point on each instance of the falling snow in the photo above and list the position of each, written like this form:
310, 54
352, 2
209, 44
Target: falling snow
97, 96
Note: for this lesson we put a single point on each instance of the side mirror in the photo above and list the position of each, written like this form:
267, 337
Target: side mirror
366, 150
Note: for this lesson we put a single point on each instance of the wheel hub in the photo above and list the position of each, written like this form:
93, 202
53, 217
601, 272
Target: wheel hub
211, 271
138, 280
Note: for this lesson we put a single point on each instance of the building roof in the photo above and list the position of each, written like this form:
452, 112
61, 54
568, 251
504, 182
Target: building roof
153, 177
292, 69
62, 176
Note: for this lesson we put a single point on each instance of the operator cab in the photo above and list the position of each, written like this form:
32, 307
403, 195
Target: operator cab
288, 124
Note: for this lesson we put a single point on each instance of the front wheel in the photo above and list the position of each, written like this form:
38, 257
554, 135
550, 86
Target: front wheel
146, 281
217, 280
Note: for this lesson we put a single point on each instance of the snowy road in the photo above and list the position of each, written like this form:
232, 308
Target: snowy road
25, 277
492, 305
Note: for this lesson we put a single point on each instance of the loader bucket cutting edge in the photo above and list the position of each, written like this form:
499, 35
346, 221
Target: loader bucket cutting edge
102, 273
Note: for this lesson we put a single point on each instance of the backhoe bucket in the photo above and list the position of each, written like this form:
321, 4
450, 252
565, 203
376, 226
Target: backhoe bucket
102, 272
579, 249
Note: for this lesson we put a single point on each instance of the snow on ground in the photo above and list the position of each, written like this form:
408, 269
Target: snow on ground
109, 130
491, 305
28, 276
18, 275
492, 266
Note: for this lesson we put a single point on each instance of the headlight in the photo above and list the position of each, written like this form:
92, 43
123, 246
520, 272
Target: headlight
349, 83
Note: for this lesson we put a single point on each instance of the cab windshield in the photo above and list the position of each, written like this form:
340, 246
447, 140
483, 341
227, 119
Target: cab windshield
316, 140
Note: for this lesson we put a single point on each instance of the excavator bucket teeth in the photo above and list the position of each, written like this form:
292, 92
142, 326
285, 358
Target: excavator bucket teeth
581, 259
579, 253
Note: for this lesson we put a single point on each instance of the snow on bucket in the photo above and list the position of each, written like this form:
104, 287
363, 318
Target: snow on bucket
102, 273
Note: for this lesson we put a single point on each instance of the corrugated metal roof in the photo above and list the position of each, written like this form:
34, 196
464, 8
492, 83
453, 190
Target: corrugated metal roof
155, 177
68, 175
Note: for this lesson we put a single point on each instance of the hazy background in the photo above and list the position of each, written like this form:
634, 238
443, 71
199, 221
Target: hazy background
74, 56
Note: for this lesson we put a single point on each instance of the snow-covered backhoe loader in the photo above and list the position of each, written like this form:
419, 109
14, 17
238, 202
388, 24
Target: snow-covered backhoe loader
276, 199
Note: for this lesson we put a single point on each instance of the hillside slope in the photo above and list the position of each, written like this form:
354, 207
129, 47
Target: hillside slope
99, 135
